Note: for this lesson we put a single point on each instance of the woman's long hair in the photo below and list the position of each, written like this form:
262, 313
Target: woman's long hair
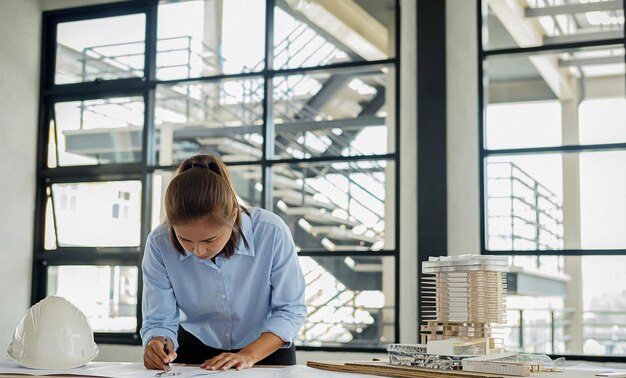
203, 191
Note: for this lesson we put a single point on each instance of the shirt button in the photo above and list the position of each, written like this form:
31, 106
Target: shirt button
226, 334
223, 296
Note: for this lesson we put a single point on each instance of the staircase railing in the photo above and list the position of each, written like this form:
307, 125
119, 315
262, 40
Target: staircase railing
552, 334
521, 212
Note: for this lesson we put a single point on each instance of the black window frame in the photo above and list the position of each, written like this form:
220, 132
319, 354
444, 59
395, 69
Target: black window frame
484, 153
51, 93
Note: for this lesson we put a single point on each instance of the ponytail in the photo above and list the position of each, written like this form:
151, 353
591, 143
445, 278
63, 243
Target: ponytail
203, 191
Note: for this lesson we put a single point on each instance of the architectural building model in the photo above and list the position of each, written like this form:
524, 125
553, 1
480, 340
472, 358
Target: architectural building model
465, 302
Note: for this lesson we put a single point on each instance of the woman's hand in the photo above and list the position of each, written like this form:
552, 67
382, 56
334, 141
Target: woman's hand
254, 352
154, 356
225, 361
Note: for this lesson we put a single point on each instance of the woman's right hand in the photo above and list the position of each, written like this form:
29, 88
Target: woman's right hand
154, 356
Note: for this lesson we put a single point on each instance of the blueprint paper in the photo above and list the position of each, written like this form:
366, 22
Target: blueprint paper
105, 369
136, 369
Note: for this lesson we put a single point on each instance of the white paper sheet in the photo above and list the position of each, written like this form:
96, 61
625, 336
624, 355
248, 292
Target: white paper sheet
105, 369
136, 369
596, 368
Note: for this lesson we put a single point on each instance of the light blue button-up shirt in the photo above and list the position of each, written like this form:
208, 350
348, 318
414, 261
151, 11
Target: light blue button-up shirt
229, 303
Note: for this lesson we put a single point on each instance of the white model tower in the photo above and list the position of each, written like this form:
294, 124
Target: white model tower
465, 302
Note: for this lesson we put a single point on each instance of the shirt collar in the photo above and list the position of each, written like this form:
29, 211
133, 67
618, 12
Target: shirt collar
246, 231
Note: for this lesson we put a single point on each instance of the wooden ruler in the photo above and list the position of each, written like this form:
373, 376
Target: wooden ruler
384, 369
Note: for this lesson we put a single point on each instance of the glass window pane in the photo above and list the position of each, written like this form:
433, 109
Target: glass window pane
524, 202
207, 38
326, 32
604, 316
536, 313
95, 214
350, 301
523, 124
337, 206
556, 201
222, 118
246, 179
107, 295
511, 24
602, 200
95, 49
603, 120
532, 100
334, 113
566, 305
91, 132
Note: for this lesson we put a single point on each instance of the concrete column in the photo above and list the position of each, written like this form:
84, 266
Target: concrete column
408, 174
212, 33
571, 223
462, 128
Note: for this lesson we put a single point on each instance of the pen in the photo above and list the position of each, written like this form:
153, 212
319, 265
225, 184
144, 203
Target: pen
166, 349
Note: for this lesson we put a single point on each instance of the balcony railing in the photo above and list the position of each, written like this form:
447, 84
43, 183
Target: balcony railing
550, 331
522, 214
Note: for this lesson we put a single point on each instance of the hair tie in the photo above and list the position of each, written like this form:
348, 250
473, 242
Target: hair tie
211, 166
200, 164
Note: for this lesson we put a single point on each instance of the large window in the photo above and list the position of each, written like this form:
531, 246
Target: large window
553, 153
299, 98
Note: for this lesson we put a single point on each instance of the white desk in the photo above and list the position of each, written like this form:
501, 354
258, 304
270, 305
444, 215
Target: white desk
9, 369
136, 370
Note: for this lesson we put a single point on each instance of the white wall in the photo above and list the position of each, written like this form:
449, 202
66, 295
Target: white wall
462, 128
20, 22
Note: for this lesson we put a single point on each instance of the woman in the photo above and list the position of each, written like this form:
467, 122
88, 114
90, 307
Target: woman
229, 275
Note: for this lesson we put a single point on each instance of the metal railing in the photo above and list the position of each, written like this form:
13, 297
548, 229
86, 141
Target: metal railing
551, 332
522, 213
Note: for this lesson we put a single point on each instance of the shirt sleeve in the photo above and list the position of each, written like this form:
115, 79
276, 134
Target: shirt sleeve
288, 310
159, 308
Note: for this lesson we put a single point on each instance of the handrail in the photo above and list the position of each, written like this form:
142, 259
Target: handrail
533, 212
524, 173
522, 200
537, 225
557, 319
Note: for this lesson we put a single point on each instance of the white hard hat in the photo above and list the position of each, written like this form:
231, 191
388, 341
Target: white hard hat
53, 334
